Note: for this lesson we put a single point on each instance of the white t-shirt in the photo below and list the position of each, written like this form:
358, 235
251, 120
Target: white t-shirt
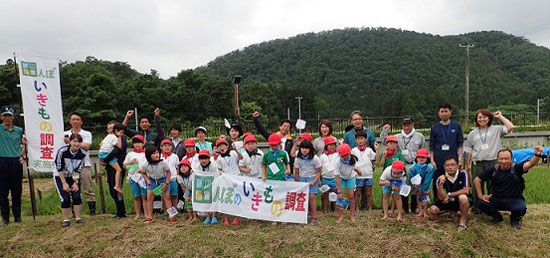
193, 160
254, 162
345, 171
140, 157
108, 144
211, 169
229, 164
86, 138
172, 162
485, 144
387, 175
308, 168
364, 161
328, 163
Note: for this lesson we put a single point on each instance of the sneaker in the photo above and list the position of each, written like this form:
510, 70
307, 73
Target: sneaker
207, 220
172, 219
497, 219
80, 221
313, 222
214, 220
516, 223
65, 223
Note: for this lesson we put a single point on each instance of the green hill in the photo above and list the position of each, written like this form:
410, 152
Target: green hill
392, 72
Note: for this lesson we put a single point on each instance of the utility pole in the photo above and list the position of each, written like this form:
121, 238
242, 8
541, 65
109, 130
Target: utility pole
467, 72
299, 109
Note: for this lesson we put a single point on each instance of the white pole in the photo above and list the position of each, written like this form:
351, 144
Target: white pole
538, 111
136, 117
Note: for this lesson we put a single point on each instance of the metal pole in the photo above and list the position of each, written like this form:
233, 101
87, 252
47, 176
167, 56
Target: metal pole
467, 73
288, 113
136, 118
538, 111
299, 109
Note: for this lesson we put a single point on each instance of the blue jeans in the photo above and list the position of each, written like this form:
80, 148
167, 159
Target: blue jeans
515, 205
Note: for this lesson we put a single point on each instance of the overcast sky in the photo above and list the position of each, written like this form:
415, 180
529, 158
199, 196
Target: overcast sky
169, 36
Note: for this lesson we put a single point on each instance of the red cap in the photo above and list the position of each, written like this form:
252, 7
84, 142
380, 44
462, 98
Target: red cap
274, 139
306, 136
329, 140
139, 137
204, 152
247, 134
222, 140
344, 149
391, 138
189, 142
422, 153
250, 138
165, 141
185, 162
398, 165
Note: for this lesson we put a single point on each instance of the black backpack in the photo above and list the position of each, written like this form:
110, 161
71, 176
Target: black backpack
519, 179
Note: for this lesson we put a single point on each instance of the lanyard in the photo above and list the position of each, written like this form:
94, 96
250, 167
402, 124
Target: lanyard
448, 133
483, 140
406, 144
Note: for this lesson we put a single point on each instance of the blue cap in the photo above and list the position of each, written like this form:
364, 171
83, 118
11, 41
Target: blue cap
7, 110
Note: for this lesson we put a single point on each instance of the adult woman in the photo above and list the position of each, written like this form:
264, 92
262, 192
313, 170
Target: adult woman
325, 131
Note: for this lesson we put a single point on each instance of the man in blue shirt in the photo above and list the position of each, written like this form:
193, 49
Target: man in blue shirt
446, 140
357, 122
11, 171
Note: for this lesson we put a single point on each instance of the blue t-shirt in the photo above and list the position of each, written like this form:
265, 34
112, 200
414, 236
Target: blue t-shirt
349, 138
450, 135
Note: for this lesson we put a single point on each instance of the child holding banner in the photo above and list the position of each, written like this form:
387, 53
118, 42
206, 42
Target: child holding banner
365, 157
275, 160
328, 162
345, 172
107, 146
156, 173
133, 161
228, 163
209, 167
307, 168
251, 164
172, 160
185, 180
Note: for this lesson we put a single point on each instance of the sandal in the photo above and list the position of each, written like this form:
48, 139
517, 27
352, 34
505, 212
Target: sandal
148, 220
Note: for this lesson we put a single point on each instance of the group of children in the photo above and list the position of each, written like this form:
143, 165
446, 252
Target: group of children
339, 170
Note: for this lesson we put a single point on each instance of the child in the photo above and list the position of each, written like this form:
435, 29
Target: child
235, 132
328, 163
345, 172
275, 162
209, 167
423, 168
202, 143
185, 180
296, 145
172, 160
251, 164
391, 153
307, 168
133, 161
391, 180
155, 173
69, 164
228, 163
112, 140
191, 152
365, 157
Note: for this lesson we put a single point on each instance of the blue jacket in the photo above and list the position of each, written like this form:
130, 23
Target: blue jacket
426, 171
349, 138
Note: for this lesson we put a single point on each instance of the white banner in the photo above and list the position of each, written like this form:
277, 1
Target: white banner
43, 113
284, 201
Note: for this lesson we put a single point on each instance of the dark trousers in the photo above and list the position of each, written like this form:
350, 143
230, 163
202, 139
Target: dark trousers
515, 205
437, 173
11, 180
118, 198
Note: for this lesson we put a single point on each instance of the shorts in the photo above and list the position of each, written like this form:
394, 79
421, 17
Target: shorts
137, 190
157, 182
173, 188
312, 189
330, 182
187, 194
347, 183
450, 206
103, 155
364, 182
387, 190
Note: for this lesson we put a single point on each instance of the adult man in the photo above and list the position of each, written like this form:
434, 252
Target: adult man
408, 142
11, 171
507, 187
446, 140
284, 132
151, 138
357, 122
76, 120
175, 130
452, 191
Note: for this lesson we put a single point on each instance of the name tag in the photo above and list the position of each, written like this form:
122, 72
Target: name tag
445, 147
274, 168
485, 146
405, 152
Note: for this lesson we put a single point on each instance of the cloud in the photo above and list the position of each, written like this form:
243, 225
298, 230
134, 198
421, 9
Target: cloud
169, 36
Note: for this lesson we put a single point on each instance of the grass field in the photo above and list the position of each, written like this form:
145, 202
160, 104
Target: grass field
103, 236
